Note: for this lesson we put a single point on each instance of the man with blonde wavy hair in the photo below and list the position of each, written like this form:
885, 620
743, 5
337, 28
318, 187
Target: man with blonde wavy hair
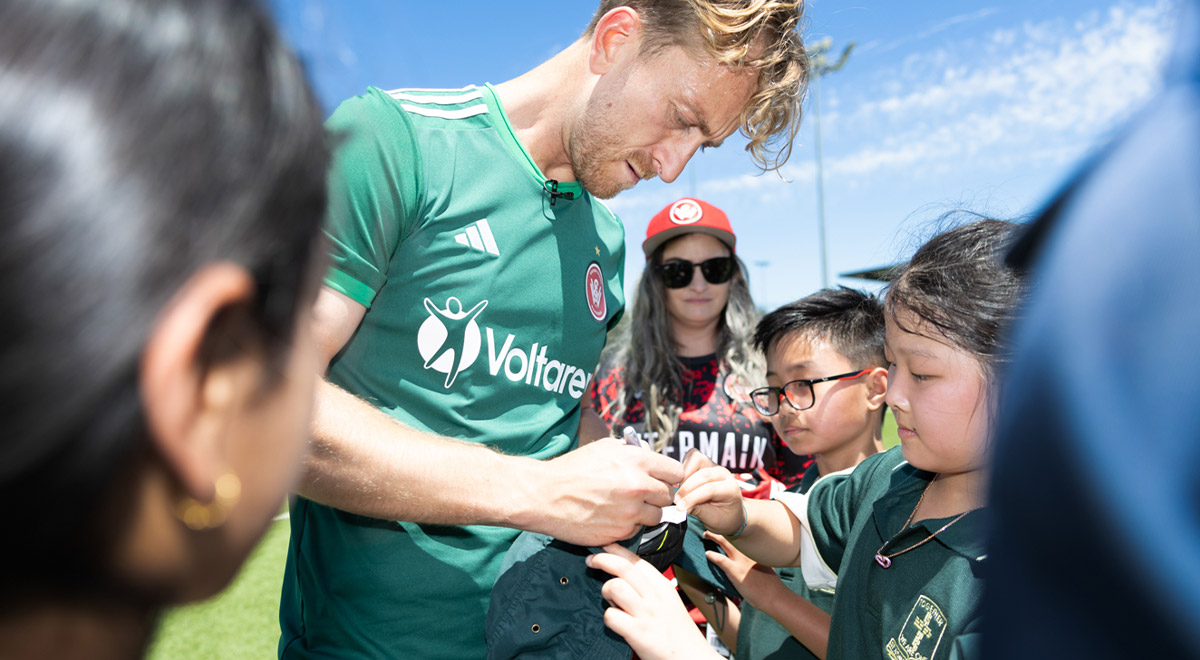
473, 277
757, 41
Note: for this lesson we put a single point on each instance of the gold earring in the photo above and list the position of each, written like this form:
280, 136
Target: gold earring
208, 515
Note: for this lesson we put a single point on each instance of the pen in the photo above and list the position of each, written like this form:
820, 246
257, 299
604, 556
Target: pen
631, 437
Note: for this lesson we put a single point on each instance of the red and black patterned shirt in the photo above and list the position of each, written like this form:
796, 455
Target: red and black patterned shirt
727, 429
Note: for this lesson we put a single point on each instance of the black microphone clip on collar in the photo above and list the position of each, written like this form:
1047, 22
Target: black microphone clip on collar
551, 188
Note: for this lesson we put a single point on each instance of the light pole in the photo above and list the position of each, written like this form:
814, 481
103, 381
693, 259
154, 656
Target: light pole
819, 66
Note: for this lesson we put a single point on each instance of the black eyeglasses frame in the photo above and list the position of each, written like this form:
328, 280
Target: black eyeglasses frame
780, 393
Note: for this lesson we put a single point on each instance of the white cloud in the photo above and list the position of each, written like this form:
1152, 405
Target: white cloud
1004, 38
1038, 85
1037, 92
935, 29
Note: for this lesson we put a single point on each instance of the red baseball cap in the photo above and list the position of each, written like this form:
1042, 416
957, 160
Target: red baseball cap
688, 216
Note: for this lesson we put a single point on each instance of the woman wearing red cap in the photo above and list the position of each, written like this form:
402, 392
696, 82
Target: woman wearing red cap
682, 378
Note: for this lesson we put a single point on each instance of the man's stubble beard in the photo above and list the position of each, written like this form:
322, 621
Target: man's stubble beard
591, 149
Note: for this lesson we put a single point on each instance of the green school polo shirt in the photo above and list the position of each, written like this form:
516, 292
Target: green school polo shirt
926, 605
487, 307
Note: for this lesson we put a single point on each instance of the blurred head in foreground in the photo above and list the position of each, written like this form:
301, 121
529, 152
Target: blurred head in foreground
162, 172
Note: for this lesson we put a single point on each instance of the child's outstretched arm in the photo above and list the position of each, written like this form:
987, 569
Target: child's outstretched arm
646, 610
761, 587
764, 530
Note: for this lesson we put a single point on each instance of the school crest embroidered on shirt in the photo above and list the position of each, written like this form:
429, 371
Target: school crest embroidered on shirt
921, 634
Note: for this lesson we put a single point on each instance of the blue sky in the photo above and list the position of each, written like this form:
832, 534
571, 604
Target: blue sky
942, 105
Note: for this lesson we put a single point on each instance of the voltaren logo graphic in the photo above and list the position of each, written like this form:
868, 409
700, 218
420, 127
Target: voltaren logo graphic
478, 236
449, 339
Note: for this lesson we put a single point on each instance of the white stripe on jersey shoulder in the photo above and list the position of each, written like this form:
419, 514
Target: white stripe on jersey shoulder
432, 89
461, 113
426, 105
469, 94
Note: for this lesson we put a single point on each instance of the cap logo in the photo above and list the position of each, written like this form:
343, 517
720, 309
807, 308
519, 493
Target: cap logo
686, 212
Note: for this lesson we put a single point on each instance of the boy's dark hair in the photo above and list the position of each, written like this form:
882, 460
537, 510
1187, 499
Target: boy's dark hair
851, 320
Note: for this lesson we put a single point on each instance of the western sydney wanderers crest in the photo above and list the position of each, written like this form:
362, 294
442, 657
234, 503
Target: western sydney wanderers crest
597, 303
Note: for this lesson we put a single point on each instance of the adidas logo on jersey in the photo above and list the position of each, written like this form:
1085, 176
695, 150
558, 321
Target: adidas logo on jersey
478, 236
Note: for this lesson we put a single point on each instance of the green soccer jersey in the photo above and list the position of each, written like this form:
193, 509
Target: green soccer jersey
926, 604
487, 302
760, 637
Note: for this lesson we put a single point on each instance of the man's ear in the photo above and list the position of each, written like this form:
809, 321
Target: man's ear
617, 36
877, 382
187, 403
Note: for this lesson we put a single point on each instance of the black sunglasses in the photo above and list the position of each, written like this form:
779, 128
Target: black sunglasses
678, 273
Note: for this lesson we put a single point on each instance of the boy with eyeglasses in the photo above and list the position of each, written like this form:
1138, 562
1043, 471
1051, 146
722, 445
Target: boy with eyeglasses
827, 377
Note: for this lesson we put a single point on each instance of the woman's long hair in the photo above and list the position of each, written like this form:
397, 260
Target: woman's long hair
650, 366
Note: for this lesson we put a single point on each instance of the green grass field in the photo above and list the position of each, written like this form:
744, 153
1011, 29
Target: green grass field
890, 439
242, 621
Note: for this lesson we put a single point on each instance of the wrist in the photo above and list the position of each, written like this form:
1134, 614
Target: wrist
745, 521
772, 598
518, 504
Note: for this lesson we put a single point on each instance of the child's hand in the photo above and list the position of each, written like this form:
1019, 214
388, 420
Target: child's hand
755, 582
712, 494
646, 609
